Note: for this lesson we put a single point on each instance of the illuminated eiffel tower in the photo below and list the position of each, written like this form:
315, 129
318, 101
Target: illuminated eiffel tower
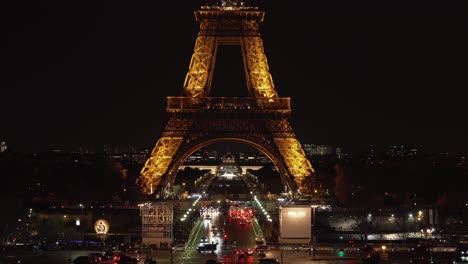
260, 120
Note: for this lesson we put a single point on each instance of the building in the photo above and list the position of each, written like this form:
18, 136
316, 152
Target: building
317, 150
156, 224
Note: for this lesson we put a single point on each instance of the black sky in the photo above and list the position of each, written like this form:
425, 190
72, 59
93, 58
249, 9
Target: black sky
99, 73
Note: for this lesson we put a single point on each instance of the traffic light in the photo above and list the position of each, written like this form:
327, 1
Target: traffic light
225, 236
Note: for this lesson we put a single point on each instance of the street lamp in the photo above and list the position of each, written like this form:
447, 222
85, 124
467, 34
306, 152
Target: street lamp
313, 238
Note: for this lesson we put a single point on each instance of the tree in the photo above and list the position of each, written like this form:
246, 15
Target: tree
8, 222
363, 222
177, 189
404, 224
55, 228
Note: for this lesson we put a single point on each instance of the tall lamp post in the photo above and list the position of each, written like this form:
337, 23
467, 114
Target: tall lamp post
313, 238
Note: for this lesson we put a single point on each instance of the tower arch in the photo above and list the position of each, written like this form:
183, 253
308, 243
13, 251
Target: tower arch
191, 148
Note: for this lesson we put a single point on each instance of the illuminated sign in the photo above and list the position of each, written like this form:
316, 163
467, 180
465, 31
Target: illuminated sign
101, 227
296, 214
296, 222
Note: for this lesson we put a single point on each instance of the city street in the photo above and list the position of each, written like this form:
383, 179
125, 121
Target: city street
192, 257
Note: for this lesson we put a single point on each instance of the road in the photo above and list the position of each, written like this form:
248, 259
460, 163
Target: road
191, 256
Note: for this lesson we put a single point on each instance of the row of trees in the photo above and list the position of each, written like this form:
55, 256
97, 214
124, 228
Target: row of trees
40, 181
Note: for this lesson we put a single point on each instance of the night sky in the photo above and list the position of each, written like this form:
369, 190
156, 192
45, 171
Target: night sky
79, 73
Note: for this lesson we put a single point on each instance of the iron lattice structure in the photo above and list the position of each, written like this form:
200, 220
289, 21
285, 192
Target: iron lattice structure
260, 120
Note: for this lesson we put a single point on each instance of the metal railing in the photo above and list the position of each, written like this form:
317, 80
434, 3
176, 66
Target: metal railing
247, 104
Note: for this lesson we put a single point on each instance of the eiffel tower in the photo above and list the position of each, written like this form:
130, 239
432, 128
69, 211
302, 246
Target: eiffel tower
260, 120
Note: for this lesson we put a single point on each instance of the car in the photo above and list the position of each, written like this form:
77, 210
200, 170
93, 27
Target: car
241, 254
207, 247
268, 261
368, 255
303, 247
420, 251
249, 252
262, 247
259, 240
178, 247
103, 257
421, 261
124, 259
95, 257
204, 239
81, 260
261, 253
419, 248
